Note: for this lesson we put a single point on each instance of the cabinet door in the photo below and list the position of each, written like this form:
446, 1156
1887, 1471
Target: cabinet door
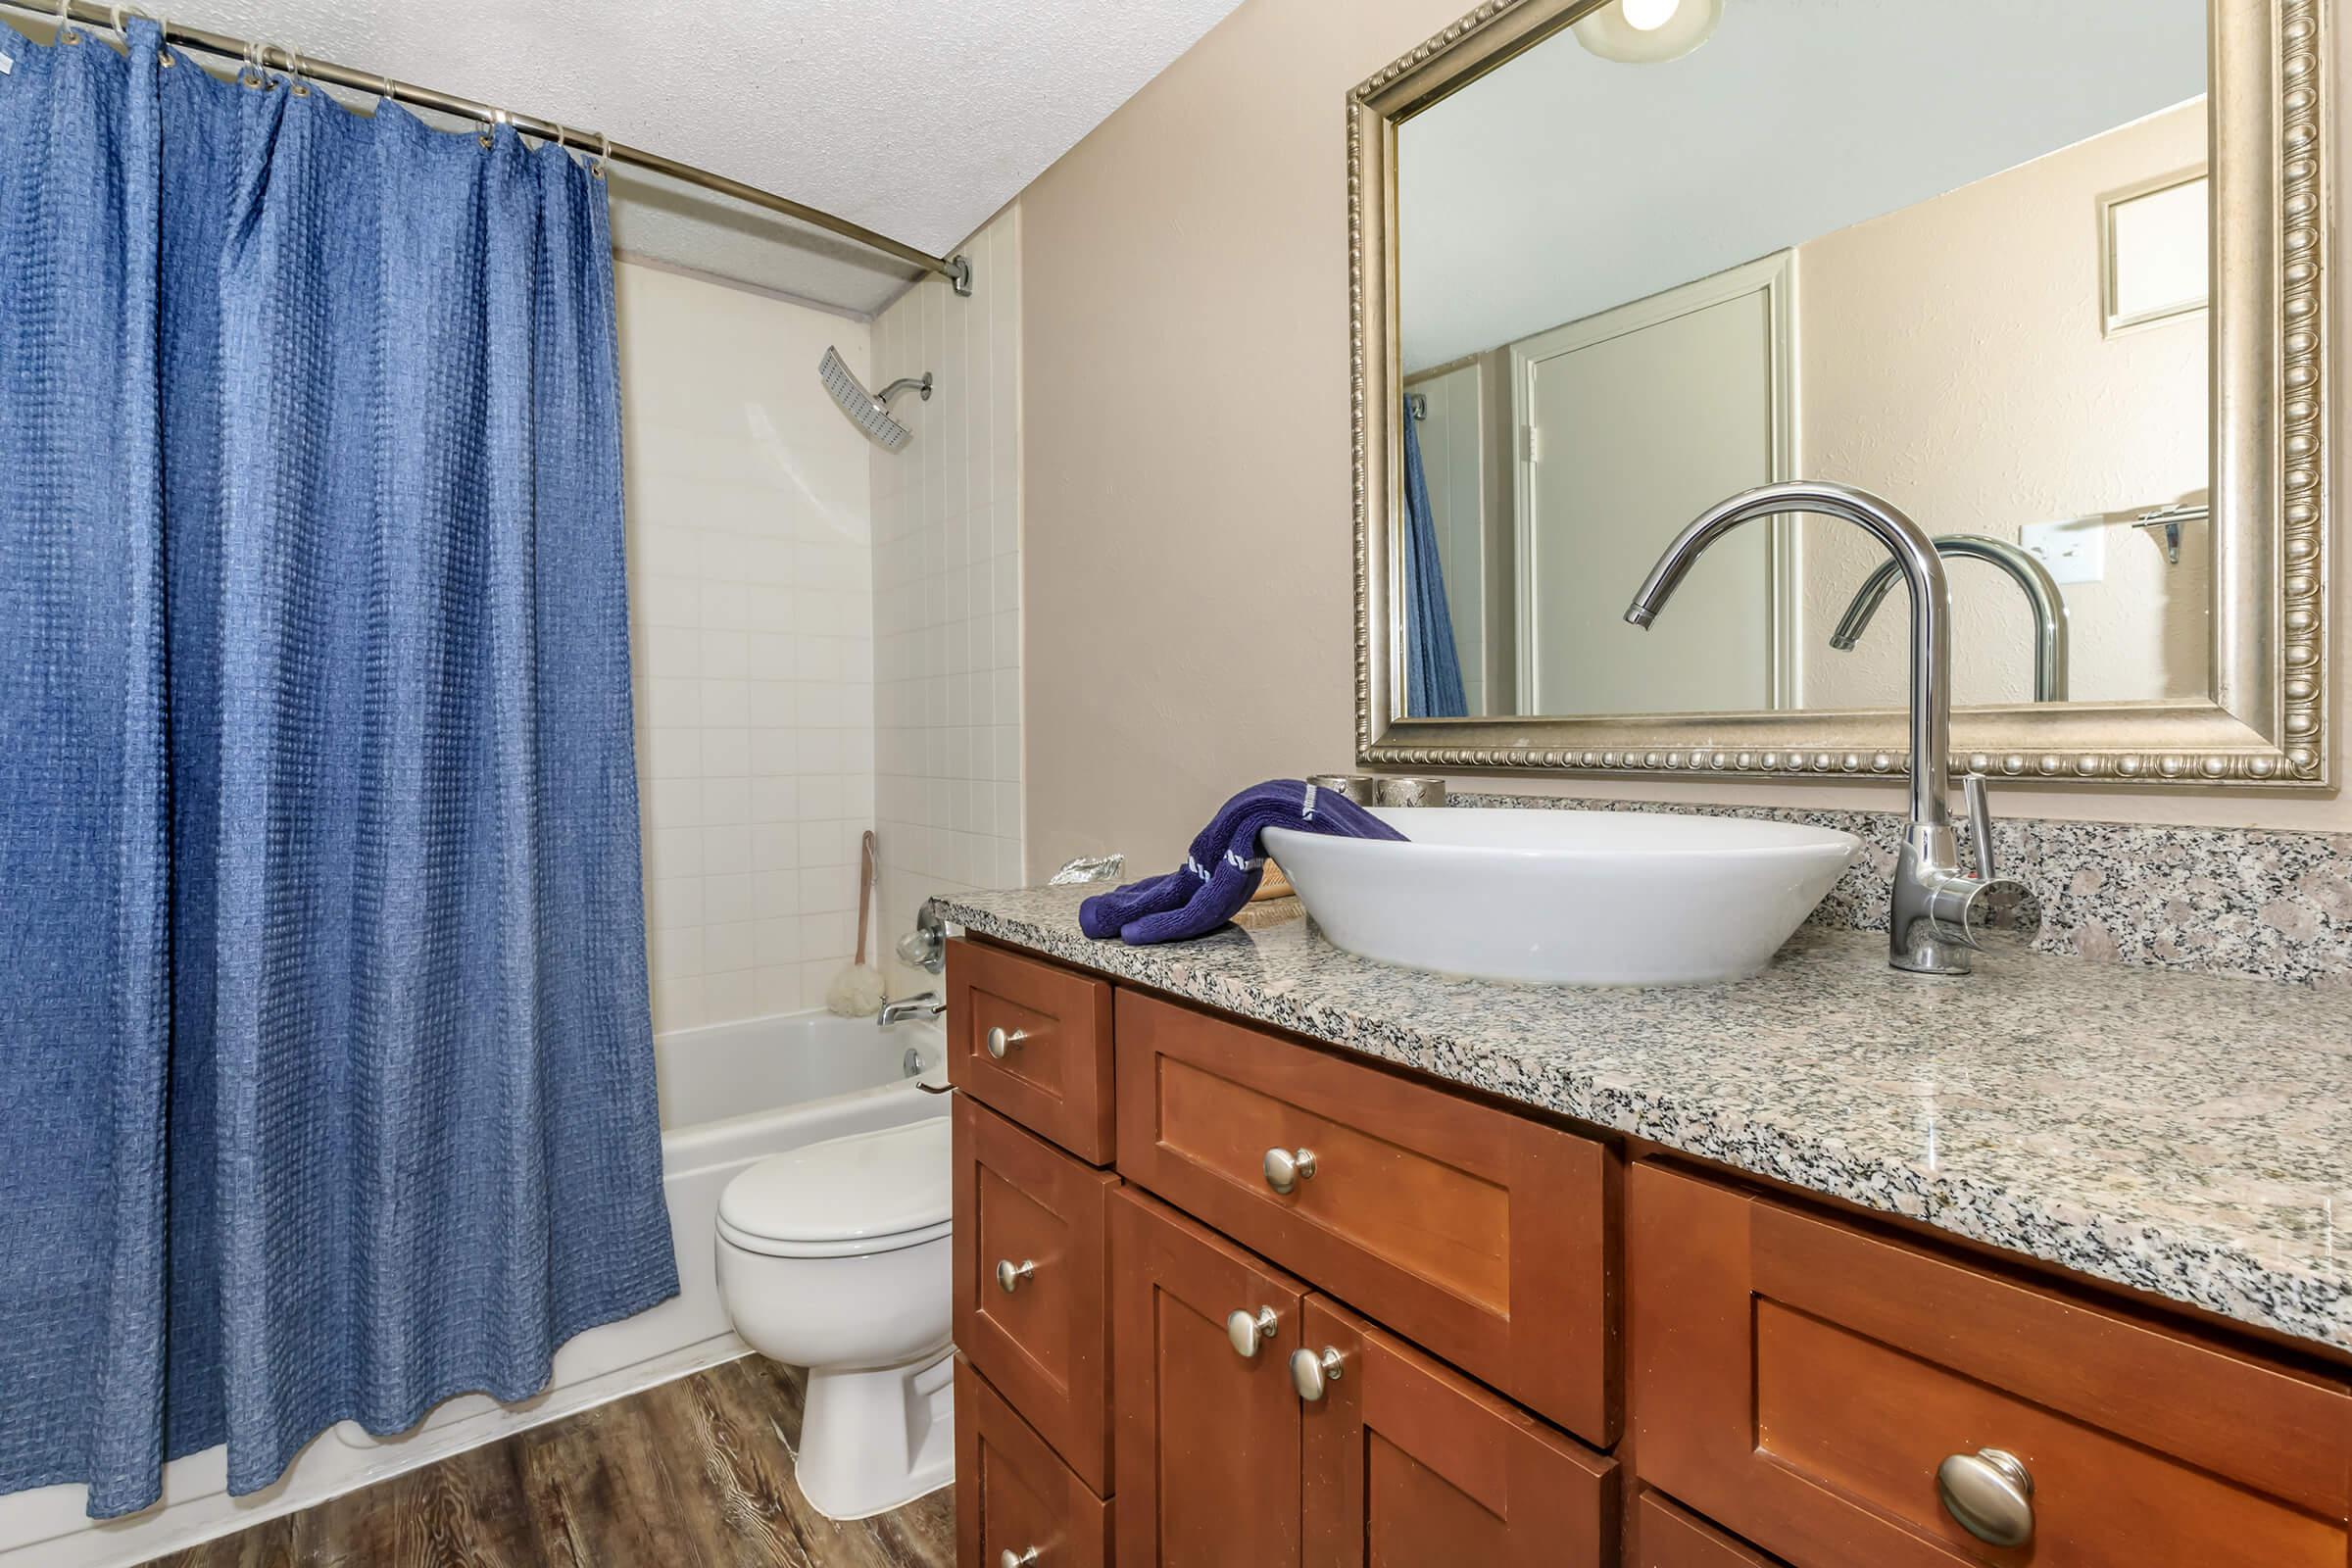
1409, 1461
1663, 1536
1803, 1380
1206, 1451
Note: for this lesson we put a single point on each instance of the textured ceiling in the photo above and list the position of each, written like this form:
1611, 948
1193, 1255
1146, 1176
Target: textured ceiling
915, 117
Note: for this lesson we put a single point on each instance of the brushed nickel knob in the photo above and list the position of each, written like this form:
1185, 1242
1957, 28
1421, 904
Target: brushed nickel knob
1287, 1168
1248, 1331
998, 1042
1311, 1373
1011, 1274
1989, 1493
1012, 1559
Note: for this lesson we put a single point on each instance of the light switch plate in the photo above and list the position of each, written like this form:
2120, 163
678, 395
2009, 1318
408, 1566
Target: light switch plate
2074, 549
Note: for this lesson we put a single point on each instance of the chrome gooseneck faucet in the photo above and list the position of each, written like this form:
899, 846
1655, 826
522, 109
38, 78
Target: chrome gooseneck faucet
1938, 911
2041, 589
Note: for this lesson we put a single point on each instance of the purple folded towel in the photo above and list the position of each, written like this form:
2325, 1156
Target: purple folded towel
1225, 865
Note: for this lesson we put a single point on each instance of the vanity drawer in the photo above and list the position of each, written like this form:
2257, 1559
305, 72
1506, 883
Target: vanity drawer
1029, 1216
1034, 1041
1013, 1494
1664, 1535
1482, 1235
1801, 1380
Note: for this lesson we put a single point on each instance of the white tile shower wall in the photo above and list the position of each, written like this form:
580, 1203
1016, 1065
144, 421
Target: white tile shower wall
946, 593
751, 582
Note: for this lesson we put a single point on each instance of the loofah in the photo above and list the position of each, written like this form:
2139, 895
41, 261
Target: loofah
856, 991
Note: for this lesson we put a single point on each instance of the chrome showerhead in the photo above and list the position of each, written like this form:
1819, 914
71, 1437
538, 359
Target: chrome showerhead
871, 412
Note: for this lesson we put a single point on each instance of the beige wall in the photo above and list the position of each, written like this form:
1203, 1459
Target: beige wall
1951, 355
1188, 538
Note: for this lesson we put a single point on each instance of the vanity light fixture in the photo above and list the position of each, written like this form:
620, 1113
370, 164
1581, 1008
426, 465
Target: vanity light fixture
1647, 33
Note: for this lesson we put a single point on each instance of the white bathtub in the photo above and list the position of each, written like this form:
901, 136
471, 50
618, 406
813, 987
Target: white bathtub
730, 1094
734, 1093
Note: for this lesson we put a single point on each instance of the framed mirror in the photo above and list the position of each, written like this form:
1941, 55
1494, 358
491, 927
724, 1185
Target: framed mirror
2048, 278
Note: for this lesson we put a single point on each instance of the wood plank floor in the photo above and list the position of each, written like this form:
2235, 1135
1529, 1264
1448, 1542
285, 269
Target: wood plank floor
692, 1474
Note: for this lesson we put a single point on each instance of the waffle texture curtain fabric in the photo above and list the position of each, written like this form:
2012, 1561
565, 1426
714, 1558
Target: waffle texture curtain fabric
325, 1072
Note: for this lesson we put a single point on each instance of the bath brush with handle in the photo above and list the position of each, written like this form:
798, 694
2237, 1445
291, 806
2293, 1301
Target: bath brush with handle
856, 991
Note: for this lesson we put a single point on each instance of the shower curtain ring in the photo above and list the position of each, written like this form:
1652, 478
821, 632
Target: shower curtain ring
297, 68
596, 171
65, 22
251, 73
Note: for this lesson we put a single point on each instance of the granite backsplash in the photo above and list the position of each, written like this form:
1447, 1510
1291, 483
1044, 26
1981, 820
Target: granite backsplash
2251, 902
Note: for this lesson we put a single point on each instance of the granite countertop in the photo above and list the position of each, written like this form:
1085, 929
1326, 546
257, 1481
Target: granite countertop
2184, 1134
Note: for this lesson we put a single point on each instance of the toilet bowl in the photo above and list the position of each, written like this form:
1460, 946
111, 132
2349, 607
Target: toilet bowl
836, 1258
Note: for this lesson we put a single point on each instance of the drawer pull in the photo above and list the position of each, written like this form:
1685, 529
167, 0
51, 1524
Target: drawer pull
1247, 1332
1286, 1170
1989, 1494
1011, 1274
1011, 1558
1311, 1373
998, 1042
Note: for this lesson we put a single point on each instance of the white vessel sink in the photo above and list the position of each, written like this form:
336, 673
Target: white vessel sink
1582, 898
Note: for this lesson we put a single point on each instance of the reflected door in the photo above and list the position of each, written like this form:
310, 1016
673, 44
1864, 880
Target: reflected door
1634, 421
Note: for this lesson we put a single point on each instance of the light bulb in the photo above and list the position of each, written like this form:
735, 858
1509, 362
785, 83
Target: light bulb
1648, 15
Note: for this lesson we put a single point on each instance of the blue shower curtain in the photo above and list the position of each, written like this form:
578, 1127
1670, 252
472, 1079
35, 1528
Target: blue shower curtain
1433, 670
325, 1072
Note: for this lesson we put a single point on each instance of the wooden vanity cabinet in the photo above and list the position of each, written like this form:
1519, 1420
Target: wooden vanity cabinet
1800, 1380
1462, 1273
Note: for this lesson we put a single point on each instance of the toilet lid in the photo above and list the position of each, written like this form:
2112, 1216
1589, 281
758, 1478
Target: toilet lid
867, 1192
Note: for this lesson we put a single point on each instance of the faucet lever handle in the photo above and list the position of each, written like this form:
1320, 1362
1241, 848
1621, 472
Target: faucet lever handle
1980, 824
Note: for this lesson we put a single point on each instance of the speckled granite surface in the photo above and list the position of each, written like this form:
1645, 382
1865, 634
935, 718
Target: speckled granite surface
2246, 902
2187, 1134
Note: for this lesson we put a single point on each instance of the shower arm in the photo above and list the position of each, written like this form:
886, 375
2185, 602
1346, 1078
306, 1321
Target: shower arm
905, 383
2030, 576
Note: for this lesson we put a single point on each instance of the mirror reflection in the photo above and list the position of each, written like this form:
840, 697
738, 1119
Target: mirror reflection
1952, 254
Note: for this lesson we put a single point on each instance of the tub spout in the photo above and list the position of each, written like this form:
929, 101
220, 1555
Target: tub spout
922, 1005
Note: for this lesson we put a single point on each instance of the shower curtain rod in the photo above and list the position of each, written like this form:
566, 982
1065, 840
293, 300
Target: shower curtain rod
954, 268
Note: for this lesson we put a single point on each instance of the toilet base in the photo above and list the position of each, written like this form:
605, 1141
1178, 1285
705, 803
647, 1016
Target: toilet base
876, 1440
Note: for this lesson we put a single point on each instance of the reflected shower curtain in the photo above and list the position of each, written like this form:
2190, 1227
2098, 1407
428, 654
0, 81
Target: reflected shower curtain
1433, 670
325, 1072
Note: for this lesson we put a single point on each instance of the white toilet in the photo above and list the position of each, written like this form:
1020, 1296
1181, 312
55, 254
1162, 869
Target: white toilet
836, 1258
